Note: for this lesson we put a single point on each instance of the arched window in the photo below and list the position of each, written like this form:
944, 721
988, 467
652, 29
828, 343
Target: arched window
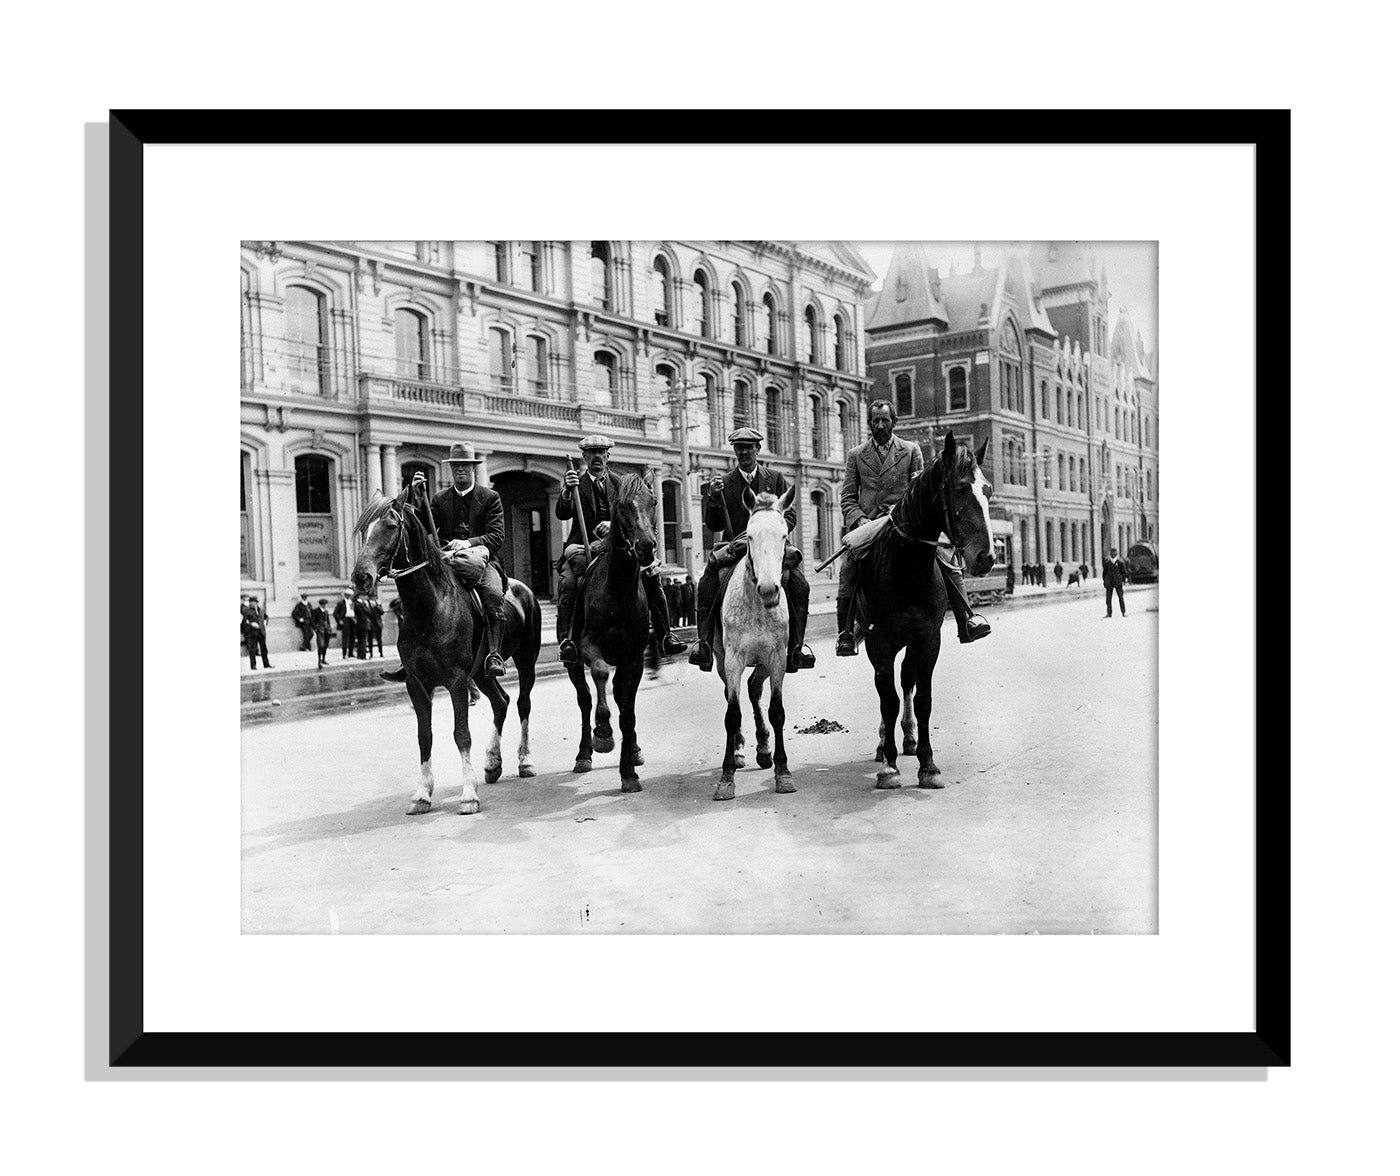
741, 316
411, 344
661, 291
814, 338
1013, 395
305, 314
843, 423
774, 405
819, 539
1117, 424
601, 268
702, 291
770, 318
537, 365
957, 389
838, 330
314, 524
605, 375
818, 411
1059, 405
903, 395
500, 359
743, 405
1083, 480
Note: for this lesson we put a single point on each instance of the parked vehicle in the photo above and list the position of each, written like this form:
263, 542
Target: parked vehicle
1142, 563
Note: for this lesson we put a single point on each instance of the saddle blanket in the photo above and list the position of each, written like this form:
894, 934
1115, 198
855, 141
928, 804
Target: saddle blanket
468, 562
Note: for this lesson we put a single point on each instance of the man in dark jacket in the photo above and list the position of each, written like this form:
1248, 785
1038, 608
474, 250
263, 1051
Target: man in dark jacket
597, 491
301, 618
322, 625
725, 512
1115, 573
688, 601
254, 630
468, 511
345, 622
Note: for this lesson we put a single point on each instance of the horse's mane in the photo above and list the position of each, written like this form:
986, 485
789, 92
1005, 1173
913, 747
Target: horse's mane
379, 506
375, 509
921, 502
635, 486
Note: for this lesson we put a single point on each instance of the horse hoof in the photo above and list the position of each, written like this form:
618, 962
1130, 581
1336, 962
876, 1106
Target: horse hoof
911, 747
887, 777
583, 765
932, 779
603, 743
631, 784
469, 808
782, 782
765, 759
526, 771
724, 790
491, 775
419, 807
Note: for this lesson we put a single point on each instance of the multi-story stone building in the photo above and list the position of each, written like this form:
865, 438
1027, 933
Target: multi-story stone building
362, 362
1020, 354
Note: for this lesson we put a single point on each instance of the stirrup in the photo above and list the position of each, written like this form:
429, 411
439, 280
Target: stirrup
568, 652
495, 666
801, 657
975, 630
701, 655
846, 644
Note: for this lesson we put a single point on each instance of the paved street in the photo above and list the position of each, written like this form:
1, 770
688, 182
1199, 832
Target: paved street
1045, 734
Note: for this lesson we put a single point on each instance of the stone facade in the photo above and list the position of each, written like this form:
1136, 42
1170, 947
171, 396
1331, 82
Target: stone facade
1020, 355
362, 362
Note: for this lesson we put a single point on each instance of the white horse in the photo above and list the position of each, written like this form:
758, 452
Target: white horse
754, 617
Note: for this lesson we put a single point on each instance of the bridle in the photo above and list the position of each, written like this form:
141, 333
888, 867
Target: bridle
387, 567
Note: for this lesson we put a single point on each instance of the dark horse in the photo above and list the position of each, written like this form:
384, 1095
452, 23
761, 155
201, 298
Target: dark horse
442, 641
902, 587
615, 629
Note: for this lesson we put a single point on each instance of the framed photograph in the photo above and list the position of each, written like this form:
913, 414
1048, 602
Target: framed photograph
662, 647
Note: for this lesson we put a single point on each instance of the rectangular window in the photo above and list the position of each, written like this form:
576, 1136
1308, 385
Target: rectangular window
671, 522
1060, 462
502, 252
245, 528
1046, 463
773, 404
957, 389
537, 365
904, 394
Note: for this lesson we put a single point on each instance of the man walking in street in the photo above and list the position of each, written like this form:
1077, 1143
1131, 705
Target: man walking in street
321, 624
301, 618
726, 512
254, 628
597, 490
1115, 573
878, 474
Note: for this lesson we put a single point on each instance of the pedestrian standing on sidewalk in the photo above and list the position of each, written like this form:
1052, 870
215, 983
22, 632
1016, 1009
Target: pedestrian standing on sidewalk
1010, 580
1115, 572
1083, 573
1059, 571
301, 618
363, 610
322, 625
688, 601
254, 630
345, 622
376, 625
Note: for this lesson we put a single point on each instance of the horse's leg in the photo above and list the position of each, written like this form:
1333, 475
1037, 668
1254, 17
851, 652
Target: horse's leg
525, 668
887, 776
500, 704
602, 726
908, 672
625, 682
929, 776
461, 731
782, 778
422, 799
733, 719
761, 731
583, 762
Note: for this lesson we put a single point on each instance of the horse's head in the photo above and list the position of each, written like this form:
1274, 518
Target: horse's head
391, 536
632, 529
767, 531
966, 495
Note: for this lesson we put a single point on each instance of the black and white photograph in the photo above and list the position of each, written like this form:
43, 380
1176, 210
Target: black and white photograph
699, 587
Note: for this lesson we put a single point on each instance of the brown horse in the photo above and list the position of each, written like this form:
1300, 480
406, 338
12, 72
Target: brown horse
615, 629
902, 587
442, 641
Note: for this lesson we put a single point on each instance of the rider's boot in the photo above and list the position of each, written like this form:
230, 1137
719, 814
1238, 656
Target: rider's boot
495, 666
800, 656
845, 638
971, 626
660, 619
564, 621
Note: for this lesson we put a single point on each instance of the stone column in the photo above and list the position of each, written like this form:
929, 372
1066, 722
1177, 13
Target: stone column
390, 470
281, 546
483, 471
373, 480
660, 520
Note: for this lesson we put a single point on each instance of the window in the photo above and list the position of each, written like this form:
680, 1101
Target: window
532, 265
1073, 478
1118, 481
1117, 424
1046, 463
818, 411
713, 409
1060, 462
1083, 479
819, 542
774, 400
957, 389
245, 557
1064, 539
814, 341
502, 362
1059, 405
1044, 401
903, 395
743, 405
601, 268
1149, 485
410, 468
1049, 541
1074, 544
313, 487
537, 365
305, 312
671, 522
741, 315
661, 291
838, 328
411, 344
843, 419
666, 398
770, 316
502, 251
702, 291
1079, 409
605, 375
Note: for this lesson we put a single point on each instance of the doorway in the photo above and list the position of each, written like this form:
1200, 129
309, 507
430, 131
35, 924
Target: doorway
526, 554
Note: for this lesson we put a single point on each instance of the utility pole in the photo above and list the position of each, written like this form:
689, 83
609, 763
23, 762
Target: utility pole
687, 533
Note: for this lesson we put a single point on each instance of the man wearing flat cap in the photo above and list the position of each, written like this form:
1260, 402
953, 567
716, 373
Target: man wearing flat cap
726, 513
472, 513
597, 492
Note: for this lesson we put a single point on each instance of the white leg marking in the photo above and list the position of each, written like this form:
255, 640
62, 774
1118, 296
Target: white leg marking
471, 802
425, 782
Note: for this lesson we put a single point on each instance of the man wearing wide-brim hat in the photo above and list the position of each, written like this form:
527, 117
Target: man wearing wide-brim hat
597, 492
725, 512
470, 513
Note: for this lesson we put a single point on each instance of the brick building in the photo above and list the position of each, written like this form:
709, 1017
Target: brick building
1020, 354
362, 362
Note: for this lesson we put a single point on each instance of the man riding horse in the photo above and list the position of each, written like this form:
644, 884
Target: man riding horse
877, 475
597, 492
726, 513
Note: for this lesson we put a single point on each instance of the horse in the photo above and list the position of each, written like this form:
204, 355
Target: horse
753, 618
616, 628
442, 642
902, 586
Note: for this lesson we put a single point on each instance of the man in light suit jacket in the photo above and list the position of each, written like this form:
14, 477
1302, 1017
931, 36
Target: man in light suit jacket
878, 474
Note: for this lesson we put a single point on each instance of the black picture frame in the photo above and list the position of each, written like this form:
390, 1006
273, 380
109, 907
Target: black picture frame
130, 1045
